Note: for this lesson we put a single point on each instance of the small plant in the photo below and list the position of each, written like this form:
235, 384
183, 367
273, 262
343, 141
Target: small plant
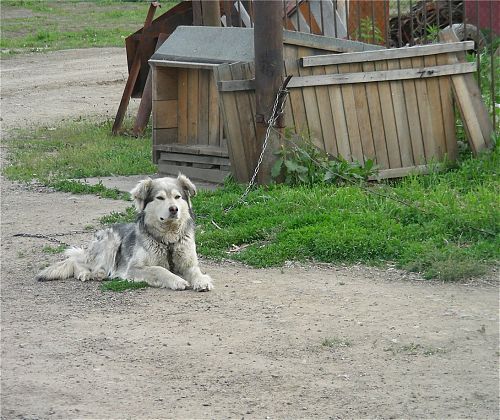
301, 162
336, 342
126, 216
368, 32
119, 285
54, 250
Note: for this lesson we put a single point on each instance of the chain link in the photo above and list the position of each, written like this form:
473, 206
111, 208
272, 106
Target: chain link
51, 237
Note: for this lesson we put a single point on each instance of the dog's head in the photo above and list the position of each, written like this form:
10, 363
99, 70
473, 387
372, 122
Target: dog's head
164, 200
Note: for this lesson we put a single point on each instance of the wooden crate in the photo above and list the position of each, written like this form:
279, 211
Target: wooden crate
393, 106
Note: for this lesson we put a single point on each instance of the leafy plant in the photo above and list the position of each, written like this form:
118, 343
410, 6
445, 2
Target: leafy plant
368, 32
301, 162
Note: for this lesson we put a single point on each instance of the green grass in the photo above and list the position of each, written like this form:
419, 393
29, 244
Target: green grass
54, 250
118, 285
336, 342
58, 156
54, 25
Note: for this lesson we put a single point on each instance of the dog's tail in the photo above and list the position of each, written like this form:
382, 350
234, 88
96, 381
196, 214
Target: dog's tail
75, 261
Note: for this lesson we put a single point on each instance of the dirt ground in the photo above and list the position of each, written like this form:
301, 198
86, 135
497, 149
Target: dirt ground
296, 342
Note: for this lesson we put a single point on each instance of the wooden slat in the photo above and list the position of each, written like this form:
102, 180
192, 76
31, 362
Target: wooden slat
193, 149
312, 111
165, 84
228, 107
295, 96
386, 54
246, 122
424, 112
400, 172
410, 96
192, 104
475, 117
435, 105
389, 119
325, 116
182, 123
375, 112
383, 75
235, 85
351, 116
165, 113
339, 118
401, 117
211, 175
164, 136
213, 113
365, 129
447, 107
203, 105
184, 157
248, 70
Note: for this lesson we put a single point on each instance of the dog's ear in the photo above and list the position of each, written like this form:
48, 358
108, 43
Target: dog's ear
141, 192
186, 185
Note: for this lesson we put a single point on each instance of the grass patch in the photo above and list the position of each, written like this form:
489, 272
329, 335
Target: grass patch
76, 150
119, 285
126, 216
336, 342
54, 250
415, 349
448, 232
34, 25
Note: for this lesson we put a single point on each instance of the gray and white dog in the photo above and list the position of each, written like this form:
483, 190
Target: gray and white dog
159, 248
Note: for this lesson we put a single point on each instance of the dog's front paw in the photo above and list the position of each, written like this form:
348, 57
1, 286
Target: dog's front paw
84, 276
203, 284
179, 284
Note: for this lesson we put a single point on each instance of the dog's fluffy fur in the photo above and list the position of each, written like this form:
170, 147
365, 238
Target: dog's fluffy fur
159, 248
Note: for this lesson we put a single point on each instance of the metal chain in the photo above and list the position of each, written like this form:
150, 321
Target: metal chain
52, 236
271, 122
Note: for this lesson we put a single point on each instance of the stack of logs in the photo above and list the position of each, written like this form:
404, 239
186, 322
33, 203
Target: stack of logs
420, 24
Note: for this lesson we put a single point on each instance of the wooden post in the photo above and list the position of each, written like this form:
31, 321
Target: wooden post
211, 13
268, 46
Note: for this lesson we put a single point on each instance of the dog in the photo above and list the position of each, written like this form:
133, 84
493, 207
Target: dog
159, 248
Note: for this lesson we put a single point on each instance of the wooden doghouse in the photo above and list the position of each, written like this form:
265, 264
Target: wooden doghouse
188, 132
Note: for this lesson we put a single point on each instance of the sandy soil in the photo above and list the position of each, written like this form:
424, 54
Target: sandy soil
252, 348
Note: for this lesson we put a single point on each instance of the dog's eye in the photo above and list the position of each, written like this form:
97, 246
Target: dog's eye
160, 198
177, 197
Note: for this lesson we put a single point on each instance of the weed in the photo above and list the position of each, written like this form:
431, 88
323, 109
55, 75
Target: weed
54, 250
127, 216
336, 342
415, 349
301, 162
119, 285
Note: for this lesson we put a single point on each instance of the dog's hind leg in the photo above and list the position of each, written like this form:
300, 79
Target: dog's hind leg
74, 266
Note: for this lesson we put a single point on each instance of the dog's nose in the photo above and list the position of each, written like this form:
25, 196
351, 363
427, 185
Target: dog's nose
173, 210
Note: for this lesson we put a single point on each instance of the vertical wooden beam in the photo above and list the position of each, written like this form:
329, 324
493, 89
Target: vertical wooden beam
210, 10
268, 46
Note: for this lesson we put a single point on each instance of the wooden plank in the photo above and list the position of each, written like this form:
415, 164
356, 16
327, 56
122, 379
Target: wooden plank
182, 123
235, 85
213, 113
312, 112
228, 107
410, 96
445, 91
184, 157
389, 119
165, 113
192, 104
246, 117
339, 118
383, 75
365, 129
424, 112
193, 149
375, 112
325, 116
248, 70
436, 111
351, 116
295, 96
477, 123
165, 86
386, 54
164, 136
203, 105
401, 117
211, 175
400, 172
